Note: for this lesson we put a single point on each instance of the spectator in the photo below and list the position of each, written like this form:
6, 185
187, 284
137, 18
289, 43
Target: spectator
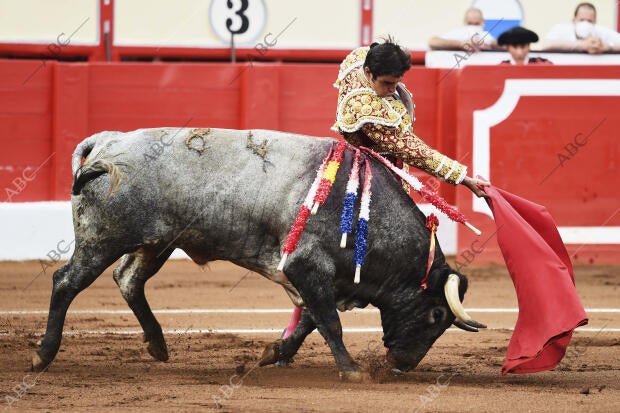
583, 34
517, 41
470, 37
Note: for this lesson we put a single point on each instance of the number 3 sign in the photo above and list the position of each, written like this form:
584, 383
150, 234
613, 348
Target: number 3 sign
245, 19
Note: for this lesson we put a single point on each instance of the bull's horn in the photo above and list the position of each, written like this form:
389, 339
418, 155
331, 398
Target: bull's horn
451, 290
464, 326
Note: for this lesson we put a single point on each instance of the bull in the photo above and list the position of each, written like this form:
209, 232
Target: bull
232, 195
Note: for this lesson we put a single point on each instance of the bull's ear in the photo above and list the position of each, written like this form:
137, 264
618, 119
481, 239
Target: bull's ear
463, 284
438, 277
436, 280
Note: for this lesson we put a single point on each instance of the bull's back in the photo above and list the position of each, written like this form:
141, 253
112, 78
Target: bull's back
217, 186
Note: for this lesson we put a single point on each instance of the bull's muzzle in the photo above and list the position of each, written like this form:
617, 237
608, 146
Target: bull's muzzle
401, 363
463, 320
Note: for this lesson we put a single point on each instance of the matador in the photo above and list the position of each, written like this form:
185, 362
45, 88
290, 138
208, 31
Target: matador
377, 111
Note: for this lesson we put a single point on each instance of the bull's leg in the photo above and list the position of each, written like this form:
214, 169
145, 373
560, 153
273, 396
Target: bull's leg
283, 350
79, 272
323, 311
315, 274
130, 275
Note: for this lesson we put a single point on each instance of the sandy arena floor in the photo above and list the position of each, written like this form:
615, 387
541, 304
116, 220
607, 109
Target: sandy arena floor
213, 353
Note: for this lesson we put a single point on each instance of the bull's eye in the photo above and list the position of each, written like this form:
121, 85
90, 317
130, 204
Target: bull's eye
437, 315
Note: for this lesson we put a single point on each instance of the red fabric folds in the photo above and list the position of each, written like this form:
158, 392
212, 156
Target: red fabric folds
542, 273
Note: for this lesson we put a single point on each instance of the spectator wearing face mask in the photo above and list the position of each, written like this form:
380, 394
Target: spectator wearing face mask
583, 34
470, 37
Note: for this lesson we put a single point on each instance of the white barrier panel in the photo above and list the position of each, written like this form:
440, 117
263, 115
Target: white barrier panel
32, 230
44, 231
457, 59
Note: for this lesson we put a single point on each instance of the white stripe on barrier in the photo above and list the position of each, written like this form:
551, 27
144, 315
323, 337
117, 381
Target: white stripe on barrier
516, 310
279, 331
265, 311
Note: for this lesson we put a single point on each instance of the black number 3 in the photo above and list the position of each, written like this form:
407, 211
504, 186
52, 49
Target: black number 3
245, 23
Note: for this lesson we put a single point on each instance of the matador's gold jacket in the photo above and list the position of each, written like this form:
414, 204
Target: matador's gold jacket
385, 124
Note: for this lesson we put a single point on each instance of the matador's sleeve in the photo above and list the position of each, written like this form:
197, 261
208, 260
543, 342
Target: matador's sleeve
412, 150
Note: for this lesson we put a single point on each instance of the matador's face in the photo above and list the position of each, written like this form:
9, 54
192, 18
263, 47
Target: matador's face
384, 85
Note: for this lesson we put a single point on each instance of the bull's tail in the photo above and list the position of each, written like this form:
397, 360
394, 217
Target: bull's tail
90, 171
81, 151
86, 172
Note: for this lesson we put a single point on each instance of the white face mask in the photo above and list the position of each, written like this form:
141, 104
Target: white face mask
584, 29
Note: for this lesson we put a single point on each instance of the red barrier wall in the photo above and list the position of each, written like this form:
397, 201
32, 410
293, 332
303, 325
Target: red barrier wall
551, 140
46, 109
25, 130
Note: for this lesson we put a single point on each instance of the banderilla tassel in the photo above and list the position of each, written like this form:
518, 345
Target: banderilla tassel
346, 219
361, 239
431, 223
329, 176
299, 224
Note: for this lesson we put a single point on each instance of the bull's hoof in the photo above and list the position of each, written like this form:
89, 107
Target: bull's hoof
285, 363
159, 351
38, 364
355, 376
271, 353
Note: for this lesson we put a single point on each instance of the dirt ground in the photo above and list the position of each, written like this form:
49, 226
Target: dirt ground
100, 369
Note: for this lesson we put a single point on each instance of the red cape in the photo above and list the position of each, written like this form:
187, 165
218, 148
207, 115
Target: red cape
542, 273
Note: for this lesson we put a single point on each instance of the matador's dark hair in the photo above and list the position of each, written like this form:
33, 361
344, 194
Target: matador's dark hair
387, 58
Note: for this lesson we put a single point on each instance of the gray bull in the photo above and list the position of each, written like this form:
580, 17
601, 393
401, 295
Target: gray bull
232, 195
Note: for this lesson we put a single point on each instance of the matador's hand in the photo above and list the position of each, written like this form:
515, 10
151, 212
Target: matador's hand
475, 185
